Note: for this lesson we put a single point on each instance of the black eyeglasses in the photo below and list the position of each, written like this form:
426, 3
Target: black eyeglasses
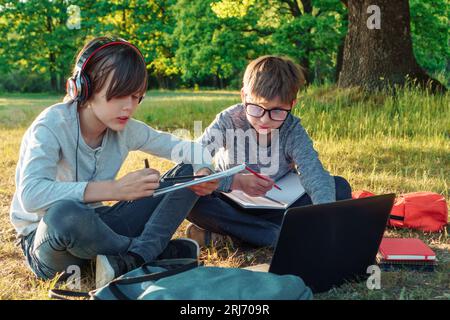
257, 111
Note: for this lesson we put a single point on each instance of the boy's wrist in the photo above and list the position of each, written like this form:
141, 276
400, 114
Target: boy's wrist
113, 192
236, 184
101, 191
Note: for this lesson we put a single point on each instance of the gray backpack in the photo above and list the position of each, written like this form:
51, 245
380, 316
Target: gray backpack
184, 279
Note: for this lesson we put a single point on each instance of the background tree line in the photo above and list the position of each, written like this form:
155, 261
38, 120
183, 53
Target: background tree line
203, 43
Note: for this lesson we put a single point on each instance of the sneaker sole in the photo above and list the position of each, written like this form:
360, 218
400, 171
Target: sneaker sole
104, 273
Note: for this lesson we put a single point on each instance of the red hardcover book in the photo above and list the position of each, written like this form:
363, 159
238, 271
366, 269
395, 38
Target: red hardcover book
405, 249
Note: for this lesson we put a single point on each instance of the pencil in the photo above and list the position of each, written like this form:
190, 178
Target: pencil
260, 176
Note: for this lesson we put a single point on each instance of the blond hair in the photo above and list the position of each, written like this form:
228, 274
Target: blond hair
270, 76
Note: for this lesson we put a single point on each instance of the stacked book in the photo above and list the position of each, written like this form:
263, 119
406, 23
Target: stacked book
405, 253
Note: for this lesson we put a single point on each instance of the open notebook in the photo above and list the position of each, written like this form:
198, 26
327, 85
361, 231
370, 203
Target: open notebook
291, 190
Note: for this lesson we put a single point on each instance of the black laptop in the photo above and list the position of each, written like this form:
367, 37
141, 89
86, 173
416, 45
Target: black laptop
328, 244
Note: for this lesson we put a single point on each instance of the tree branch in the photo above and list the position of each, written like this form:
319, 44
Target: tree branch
293, 7
266, 32
307, 6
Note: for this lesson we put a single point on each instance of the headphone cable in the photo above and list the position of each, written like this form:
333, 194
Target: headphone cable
78, 139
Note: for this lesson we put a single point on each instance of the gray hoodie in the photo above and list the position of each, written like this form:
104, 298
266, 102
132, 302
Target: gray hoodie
232, 140
46, 170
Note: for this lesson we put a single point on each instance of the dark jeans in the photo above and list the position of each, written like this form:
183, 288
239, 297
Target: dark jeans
72, 233
258, 227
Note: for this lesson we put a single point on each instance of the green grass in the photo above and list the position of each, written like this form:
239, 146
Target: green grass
380, 143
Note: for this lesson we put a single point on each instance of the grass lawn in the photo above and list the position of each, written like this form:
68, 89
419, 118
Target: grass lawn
380, 143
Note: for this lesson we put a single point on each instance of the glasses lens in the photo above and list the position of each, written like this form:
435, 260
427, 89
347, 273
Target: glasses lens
255, 111
278, 114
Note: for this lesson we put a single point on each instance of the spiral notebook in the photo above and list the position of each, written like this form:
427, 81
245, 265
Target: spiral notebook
210, 177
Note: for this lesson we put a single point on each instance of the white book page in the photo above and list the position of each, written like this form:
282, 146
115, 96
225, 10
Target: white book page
253, 202
291, 190
409, 257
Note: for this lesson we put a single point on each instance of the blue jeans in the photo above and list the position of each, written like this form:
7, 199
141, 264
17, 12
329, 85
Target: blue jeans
72, 233
258, 227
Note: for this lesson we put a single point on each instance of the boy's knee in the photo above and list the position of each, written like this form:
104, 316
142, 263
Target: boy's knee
204, 213
271, 238
196, 215
209, 205
343, 188
67, 216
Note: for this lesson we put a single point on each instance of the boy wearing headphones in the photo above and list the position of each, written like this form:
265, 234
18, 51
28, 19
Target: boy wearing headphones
68, 162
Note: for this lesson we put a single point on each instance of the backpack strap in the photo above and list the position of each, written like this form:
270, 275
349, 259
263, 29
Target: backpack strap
61, 294
393, 217
186, 264
175, 266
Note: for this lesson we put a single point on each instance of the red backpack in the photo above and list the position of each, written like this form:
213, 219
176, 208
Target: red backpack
426, 211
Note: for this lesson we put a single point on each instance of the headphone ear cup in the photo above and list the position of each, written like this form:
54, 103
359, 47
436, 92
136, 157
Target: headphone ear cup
85, 86
71, 89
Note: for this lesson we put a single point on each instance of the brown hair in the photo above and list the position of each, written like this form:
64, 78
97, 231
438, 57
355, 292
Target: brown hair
269, 77
126, 63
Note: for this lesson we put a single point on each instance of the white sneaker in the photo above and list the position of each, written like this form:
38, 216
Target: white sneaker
110, 267
104, 271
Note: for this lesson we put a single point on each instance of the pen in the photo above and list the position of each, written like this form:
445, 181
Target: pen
260, 176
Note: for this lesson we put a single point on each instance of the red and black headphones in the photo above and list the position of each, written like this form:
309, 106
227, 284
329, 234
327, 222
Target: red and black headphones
79, 86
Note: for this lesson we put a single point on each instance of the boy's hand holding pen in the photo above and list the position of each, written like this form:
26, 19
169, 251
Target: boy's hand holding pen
254, 184
137, 184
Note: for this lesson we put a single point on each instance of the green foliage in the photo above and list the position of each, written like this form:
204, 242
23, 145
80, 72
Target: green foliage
430, 34
191, 43
315, 36
33, 38
210, 46
36, 38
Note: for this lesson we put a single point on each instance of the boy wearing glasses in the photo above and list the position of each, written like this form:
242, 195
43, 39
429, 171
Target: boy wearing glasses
262, 132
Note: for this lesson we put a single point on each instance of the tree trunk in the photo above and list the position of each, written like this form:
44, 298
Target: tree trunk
297, 13
308, 73
162, 81
218, 81
339, 60
52, 57
53, 75
379, 58
340, 53
62, 82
